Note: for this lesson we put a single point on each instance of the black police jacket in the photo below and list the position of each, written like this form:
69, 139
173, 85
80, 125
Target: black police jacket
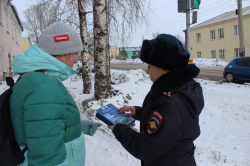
169, 121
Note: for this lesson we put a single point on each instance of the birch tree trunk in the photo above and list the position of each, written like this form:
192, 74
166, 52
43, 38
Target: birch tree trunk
86, 74
101, 50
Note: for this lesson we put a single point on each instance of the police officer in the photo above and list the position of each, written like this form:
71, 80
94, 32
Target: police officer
169, 116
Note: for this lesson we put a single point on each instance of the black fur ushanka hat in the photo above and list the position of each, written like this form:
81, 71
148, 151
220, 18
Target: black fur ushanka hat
165, 51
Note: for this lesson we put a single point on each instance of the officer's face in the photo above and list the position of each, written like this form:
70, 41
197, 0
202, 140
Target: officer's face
155, 72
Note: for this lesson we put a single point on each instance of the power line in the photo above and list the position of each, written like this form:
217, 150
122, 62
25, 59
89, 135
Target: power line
173, 23
218, 5
207, 10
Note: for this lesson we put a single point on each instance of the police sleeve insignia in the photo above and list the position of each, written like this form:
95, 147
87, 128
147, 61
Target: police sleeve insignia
169, 94
154, 122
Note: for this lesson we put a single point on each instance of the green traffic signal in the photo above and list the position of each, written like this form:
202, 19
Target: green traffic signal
195, 4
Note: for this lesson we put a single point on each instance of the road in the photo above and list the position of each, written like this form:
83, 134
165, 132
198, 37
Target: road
210, 73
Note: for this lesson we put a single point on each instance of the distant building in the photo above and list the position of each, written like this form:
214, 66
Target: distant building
130, 52
26, 43
114, 52
125, 52
219, 37
10, 37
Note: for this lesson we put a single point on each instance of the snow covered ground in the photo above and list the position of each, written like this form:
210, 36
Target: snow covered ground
224, 121
201, 62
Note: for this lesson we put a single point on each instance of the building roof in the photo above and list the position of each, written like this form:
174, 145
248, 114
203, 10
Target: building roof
16, 14
223, 17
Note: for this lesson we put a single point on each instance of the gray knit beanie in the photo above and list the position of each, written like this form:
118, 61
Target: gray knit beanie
60, 39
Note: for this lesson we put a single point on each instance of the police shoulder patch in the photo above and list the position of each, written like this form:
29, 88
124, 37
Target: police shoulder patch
154, 122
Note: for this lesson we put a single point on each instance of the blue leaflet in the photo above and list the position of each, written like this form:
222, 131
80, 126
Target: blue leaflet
108, 114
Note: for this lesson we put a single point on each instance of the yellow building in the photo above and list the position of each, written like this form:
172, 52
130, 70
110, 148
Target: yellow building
26, 43
219, 37
114, 52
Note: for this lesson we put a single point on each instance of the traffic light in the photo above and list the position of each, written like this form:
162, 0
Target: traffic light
195, 4
182, 6
194, 17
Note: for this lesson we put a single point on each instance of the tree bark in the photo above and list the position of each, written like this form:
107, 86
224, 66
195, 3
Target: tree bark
101, 50
86, 74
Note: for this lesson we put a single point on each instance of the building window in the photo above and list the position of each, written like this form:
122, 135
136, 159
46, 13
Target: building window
198, 35
10, 65
213, 54
7, 21
0, 11
212, 34
221, 33
11, 27
199, 54
236, 30
222, 55
3, 61
237, 52
16, 34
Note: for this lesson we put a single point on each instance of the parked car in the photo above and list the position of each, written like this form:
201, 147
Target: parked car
238, 70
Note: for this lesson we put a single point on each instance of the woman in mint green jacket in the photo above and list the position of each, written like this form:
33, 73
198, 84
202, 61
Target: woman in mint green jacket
44, 115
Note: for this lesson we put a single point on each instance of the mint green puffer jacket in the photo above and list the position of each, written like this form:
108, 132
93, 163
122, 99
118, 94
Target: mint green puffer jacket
44, 115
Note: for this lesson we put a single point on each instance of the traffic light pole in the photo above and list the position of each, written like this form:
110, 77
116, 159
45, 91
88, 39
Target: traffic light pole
241, 32
188, 25
184, 6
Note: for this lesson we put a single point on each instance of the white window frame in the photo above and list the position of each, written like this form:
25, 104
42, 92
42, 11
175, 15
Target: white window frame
236, 30
213, 54
237, 52
222, 54
212, 34
198, 37
221, 33
199, 54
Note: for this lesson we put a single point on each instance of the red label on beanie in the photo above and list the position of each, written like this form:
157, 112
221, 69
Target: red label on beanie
61, 38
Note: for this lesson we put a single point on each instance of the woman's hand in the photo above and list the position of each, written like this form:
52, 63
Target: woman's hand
123, 109
112, 127
88, 127
127, 108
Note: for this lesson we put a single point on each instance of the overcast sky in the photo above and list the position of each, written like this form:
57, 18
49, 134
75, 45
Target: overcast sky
164, 17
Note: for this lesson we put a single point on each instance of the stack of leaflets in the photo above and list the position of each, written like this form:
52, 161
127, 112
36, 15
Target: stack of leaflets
108, 114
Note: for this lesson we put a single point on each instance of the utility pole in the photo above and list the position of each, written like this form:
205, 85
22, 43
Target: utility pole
188, 25
241, 32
